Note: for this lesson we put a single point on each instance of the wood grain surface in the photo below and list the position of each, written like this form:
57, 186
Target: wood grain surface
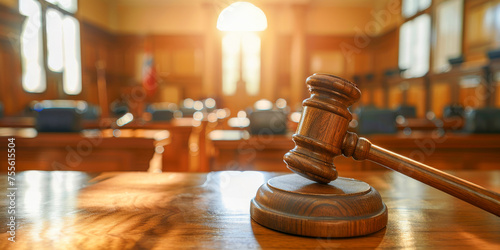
75, 210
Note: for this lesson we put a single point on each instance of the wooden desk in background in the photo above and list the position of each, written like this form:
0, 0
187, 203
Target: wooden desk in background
419, 124
116, 154
29, 122
75, 210
177, 156
232, 150
91, 151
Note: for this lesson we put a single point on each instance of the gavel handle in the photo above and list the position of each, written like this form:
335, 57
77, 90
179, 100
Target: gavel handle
462, 189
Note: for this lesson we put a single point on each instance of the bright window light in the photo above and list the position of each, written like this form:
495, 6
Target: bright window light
63, 45
67, 5
251, 62
54, 40
448, 33
412, 7
72, 76
414, 46
242, 16
241, 46
230, 62
33, 76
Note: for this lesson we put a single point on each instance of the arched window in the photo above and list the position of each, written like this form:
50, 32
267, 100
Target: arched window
241, 46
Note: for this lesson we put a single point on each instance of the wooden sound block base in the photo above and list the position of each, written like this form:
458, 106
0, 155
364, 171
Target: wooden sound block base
343, 208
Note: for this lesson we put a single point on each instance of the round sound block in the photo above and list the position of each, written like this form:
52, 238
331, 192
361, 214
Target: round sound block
343, 208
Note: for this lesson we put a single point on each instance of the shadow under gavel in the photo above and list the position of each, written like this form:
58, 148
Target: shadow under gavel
322, 135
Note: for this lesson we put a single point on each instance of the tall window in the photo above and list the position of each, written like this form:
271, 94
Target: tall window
241, 46
56, 22
412, 7
415, 38
449, 21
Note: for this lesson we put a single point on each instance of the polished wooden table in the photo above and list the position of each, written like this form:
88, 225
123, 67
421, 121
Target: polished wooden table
76, 210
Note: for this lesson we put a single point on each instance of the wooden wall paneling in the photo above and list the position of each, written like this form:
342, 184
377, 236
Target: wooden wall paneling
365, 97
394, 91
362, 63
494, 71
473, 96
283, 84
416, 96
385, 49
163, 60
186, 62
473, 85
367, 90
496, 86
395, 96
179, 65
480, 29
380, 96
5, 81
11, 93
317, 45
98, 49
123, 76
489, 85
411, 92
442, 96
463, 85
132, 47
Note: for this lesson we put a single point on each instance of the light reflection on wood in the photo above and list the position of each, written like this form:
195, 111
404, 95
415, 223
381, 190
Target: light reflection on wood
73, 210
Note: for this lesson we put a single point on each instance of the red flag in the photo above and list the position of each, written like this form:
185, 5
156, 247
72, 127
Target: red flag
149, 75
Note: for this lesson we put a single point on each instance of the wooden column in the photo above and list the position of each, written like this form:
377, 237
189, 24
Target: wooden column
210, 62
102, 86
297, 55
269, 58
12, 95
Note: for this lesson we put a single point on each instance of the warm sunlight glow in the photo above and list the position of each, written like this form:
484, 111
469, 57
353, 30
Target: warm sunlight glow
414, 46
31, 47
230, 63
242, 16
241, 46
67, 5
250, 45
72, 76
54, 40
241, 60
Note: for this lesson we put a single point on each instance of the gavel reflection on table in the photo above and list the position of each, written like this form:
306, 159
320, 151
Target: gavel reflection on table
325, 205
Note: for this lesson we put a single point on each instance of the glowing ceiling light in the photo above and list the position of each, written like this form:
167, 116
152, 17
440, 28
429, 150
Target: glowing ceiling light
242, 16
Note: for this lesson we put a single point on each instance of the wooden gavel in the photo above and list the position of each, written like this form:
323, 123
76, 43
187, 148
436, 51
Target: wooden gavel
322, 135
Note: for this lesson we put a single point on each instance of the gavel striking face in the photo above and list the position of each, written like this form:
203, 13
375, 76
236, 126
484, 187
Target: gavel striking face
322, 135
322, 131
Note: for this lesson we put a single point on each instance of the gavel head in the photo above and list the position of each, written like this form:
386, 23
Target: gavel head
322, 128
